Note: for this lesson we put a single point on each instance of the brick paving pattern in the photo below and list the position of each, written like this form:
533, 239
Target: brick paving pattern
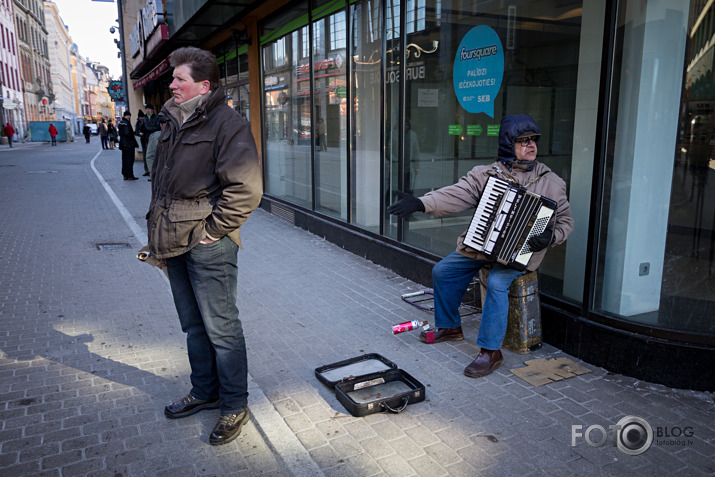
91, 351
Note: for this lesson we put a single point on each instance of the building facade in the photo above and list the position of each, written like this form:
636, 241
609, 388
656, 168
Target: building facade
34, 57
60, 43
11, 109
351, 101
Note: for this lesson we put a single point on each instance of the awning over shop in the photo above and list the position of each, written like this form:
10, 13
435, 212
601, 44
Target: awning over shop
153, 74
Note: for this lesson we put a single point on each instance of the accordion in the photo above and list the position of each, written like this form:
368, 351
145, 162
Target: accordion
507, 216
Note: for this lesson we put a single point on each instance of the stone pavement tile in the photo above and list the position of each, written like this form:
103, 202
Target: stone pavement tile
697, 462
574, 468
443, 454
359, 429
28, 468
387, 429
397, 466
509, 464
325, 456
427, 466
461, 469
84, 467
311, 438
405, 447
346, 445
363, 464
341, 470
377, 447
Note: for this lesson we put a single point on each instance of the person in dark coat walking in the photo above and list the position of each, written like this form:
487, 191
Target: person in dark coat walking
87, 133
127, 143
9, 133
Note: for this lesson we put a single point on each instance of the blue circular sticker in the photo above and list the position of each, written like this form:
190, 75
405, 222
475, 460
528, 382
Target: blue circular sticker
478, 70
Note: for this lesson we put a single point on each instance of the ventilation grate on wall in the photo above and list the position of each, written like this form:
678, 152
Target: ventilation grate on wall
283, 212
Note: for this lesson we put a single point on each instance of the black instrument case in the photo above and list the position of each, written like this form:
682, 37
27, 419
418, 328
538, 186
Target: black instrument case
371, 383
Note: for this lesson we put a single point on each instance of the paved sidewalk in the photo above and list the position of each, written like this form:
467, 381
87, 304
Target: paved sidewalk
91, 350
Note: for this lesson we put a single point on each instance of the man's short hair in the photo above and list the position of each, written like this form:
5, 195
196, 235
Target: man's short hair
126, 113
148, 106
202, 64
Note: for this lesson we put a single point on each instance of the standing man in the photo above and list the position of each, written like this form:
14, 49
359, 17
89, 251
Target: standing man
9, 133
87, 132
516, 163
127, 143
206, 182
104, 134
149, 125
53, 134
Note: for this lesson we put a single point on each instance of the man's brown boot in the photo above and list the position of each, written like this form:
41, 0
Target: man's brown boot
486, 362
443, 334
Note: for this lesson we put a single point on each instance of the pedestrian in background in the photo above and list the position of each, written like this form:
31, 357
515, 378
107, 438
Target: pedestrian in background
151, 145
103, 134
87, 133
9, 132
53, 133
206, 183
137, 126
112, 134
149, 125
127, 143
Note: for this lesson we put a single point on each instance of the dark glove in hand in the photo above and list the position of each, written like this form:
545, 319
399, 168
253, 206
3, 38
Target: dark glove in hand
407, 204
539, 242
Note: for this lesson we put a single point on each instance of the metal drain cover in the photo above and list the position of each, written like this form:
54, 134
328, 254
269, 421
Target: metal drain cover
104, 247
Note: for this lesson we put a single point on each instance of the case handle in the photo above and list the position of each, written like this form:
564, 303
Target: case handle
397, 411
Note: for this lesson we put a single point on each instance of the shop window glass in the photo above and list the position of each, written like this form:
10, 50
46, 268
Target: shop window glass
330, 118
287, 128
366, 88
552, 61
657, 244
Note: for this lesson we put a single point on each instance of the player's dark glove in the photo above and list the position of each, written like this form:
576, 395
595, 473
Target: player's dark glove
407, 204
539, 242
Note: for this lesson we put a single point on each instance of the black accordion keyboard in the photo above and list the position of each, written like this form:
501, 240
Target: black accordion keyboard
507, 215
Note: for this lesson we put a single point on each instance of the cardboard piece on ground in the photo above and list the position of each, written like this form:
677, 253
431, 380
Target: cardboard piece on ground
544, 371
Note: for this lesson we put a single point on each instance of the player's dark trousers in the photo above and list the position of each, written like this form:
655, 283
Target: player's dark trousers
204, 283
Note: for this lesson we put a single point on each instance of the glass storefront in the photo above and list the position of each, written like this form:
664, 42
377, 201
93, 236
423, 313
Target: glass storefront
233, 70
655, 254
363, 100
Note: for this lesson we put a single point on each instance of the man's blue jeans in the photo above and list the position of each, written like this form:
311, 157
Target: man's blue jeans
204, 282
450, 279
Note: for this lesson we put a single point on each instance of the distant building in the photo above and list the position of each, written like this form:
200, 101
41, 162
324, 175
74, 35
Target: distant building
11, 91
60, 43
34, 59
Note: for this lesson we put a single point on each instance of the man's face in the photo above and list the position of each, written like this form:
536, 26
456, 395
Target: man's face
184, 87
525, 153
